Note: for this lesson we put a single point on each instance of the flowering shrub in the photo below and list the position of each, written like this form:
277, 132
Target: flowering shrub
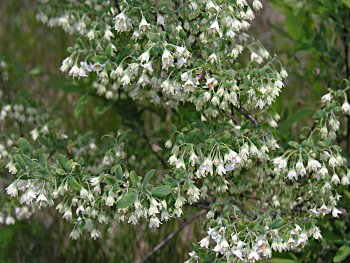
211, 86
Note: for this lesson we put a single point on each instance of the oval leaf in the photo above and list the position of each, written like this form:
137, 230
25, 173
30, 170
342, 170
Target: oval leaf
148, 176
126, 200
161, 191
24, 145
342, 253
278, 222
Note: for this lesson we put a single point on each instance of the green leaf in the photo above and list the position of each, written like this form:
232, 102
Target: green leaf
134, 179
126, 200
346, 2
110, 181
295, 117
73, 183
294, 145
41, 158
24, 145
64, 163
278, 222
117, 170
294, 27
100, 110
342, 253
20, 161
153, 37
161, 191
148, 176
99, 59
79, 108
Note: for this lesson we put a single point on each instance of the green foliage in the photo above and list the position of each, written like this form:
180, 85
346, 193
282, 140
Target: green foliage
188, 76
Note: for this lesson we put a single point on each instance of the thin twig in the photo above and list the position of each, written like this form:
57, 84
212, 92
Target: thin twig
231, 117
241, 207
116, 3
246, 114
159, 157
186, 222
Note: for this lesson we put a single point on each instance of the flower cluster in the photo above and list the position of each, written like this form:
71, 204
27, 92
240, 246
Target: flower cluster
194, 58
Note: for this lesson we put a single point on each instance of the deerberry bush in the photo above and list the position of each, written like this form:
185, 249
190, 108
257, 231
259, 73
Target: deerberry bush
210, 87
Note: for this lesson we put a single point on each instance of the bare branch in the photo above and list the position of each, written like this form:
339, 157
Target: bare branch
159, 157
246, 114
185, 223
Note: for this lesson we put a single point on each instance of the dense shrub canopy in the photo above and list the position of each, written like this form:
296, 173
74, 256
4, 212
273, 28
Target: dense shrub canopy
197, 131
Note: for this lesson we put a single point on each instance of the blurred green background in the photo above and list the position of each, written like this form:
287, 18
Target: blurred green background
311, 38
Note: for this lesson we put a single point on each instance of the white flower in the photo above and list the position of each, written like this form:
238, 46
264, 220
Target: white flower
154, 222
215, 28
91, 35
122, 23
324, 210
316, 233
144, 25
302, 239
345, 180
249, 14
253, 255
68, 214
84, 193
193, 158
292, 174
172, 160
326, 98
11, 168
35, 134
277, 245
300, 169
108, 35
41, 198
335, 179
313, 165
98, 67
204, 242
182, 51
160, 20
238, 253
12, 190
126, 80
333, 162
110, 200
74, 234
211, 83
66, 64
220, 169
167, 60
280, 163
144, 56
188, 86
95, 234
346, 108
335, 212
211, 5
257, 5
9, 220
291, 243
255, 57
213, 58
221, 246
95, 181
323, 171
241, 3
